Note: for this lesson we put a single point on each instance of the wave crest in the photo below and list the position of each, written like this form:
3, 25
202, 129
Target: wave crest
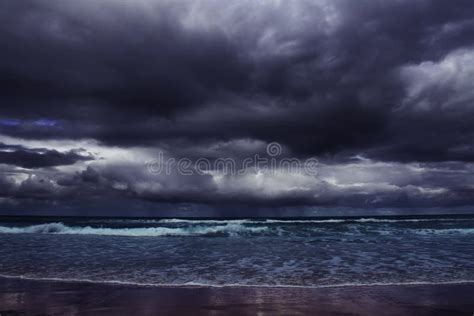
61, 229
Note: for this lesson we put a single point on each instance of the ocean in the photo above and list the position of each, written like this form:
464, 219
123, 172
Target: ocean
297, 252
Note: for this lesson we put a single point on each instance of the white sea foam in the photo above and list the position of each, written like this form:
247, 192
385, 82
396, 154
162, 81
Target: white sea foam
443, 231
309, 221
234, 285
211, 228
60, 228
280, 221
205, 221
323, 221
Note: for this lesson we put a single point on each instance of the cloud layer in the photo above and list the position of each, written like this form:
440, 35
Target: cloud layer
380, 93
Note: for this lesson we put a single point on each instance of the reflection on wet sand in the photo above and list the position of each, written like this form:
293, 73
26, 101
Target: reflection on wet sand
22, 297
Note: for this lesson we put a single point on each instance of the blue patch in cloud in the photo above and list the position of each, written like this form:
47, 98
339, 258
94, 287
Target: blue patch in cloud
9, 122
45, 122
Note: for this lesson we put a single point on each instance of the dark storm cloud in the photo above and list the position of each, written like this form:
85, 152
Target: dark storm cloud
391, 81
111, 64
20, 156
112, 70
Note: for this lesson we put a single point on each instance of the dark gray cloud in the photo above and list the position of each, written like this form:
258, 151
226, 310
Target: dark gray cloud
391, 82
20, 156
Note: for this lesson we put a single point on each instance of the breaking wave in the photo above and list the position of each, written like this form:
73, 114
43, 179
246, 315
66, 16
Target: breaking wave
282, 221
61, 229
308, 221
240, 227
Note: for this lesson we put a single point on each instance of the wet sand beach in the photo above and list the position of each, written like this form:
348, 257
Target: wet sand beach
30, 297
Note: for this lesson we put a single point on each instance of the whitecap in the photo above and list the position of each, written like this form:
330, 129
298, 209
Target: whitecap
61, 229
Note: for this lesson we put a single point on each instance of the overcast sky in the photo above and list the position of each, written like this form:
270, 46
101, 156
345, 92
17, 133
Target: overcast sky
381, 93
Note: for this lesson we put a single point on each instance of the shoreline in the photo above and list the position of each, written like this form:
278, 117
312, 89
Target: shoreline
25, 297
191, 285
